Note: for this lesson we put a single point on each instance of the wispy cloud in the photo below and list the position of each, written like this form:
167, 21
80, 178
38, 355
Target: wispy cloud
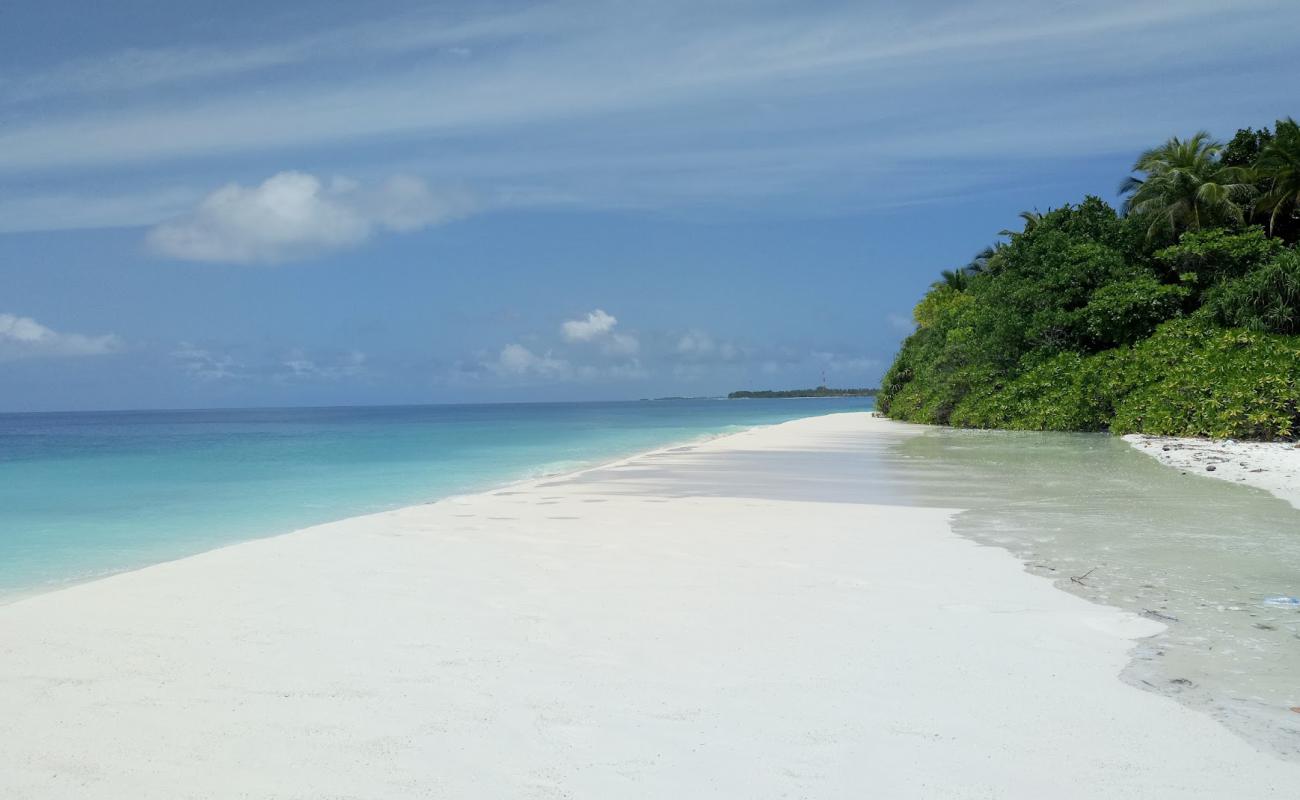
700, 346
149, 68
515, 360
298, 365
205, 364
24, 337
666, 103
295, 365
294, 215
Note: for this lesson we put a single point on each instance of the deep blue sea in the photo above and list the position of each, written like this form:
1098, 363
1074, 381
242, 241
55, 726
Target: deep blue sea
84, 495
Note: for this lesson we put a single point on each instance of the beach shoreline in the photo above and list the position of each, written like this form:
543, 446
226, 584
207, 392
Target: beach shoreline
1271, 466
521, 475
721, 618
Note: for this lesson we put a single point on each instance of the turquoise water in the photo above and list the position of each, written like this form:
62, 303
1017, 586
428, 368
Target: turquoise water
84, 495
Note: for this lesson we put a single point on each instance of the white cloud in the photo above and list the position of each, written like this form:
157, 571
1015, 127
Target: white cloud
24, 337
137, 68
660, 104
598, 326
621, 344
292, 366
591, 61
595, 324
298, 365
206, 365
700, 346
294, 215
517, 360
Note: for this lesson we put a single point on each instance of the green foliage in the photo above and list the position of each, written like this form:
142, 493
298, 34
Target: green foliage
934, 366
955, 279
1265, 299
937, 302
1128, 310
1068, 392
1189, 379
1033, 300
1173, 319
1278, 167
1245, 146
1187, 187
1203, 258
1193, 379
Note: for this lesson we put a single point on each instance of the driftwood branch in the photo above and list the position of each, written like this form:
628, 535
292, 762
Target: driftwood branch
1079, 578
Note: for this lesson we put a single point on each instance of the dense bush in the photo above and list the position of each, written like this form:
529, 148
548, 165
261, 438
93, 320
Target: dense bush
1128, 310
1203, 258
1069, 392
1195, 379
1265, 299
1088, 320
1189, 379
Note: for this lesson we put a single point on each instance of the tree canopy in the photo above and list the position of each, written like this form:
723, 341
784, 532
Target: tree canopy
1180, 315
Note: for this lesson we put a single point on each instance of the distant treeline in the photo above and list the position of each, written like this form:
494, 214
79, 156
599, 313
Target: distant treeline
820, 391
1179, 314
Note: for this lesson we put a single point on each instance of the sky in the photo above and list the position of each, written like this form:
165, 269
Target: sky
210, 204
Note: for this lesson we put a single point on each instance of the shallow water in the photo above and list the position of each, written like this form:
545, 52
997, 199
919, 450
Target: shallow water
1201, 555
84, 495
87, 494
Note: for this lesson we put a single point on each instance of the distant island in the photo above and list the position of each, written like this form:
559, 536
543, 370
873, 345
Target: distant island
820, 391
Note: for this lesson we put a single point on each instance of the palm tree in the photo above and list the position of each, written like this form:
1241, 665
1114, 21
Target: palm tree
1031, 218
983, 260
1186, 186
1278, 167
955, 279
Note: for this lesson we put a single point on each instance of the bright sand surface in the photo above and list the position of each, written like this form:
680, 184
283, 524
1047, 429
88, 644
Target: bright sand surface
723, 620
1271, 466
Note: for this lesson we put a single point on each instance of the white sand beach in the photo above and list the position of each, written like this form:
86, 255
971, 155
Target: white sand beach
1271, 466
722, 620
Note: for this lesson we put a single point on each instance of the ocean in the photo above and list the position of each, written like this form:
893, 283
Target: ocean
85, 495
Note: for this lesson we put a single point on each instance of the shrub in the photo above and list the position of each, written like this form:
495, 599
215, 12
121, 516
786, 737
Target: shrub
1265, 299
1069, 392
1203, 258
1195, 379
1125, 311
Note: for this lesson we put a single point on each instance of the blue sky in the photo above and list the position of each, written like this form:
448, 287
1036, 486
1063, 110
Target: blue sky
212, 204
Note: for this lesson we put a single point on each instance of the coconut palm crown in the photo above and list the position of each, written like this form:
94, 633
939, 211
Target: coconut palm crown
1187, 187
1278, 167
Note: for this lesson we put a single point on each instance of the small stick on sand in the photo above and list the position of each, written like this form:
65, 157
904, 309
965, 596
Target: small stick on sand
1079, 578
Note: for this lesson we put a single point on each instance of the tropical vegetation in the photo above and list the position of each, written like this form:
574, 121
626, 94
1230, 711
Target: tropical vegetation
1178, 313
